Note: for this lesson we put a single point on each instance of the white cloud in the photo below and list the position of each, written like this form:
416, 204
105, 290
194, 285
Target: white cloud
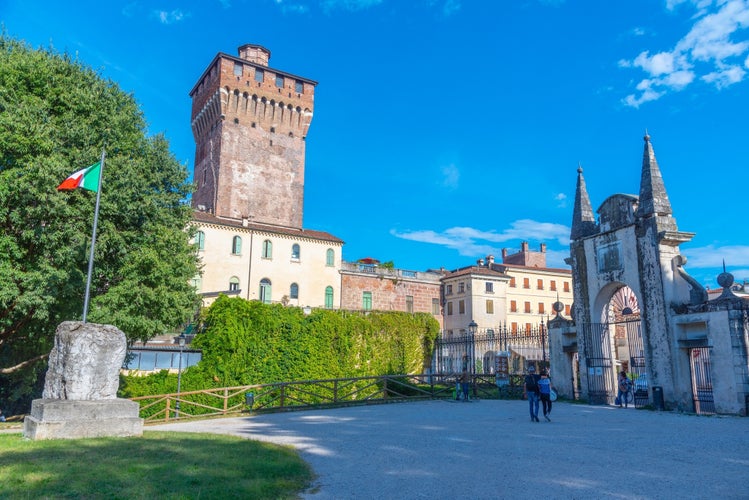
707, 51
171, 17
294, 8
713, 257
725, 77
450, 176
350, 5
471, 242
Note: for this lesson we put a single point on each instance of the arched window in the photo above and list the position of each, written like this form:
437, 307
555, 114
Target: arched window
267, 249
295, 251
265, 291
234, 284
294, 291
329, 297
200, 240
236, 245
330, 257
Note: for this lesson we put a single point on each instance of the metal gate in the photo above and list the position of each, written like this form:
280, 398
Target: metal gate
637, 370
601, 381
702, 384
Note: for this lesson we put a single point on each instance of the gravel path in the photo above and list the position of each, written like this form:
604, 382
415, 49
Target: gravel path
491, 449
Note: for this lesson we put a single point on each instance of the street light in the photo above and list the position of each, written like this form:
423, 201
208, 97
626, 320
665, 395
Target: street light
181, 340
472, 327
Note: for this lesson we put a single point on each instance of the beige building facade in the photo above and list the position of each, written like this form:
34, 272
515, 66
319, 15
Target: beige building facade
518, 293
268, 263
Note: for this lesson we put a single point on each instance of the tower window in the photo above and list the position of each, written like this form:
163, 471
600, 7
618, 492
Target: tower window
237, 69
330, 257
265, 291
267, 249
279, 81
236, 245
299, 87
329, 297
259, 75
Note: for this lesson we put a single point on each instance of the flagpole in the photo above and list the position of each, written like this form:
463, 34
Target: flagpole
93, 240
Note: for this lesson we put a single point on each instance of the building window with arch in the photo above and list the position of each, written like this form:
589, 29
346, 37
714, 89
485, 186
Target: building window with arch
267, 249
294, 291
236, 245
330, 257
265, 291
233, 284
295, 251
329, 297
200, 240
367, 301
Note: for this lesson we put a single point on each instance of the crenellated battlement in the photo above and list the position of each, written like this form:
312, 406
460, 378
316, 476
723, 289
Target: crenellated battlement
249, 118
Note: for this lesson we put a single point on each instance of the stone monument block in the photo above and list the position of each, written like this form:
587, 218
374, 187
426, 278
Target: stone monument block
80, 389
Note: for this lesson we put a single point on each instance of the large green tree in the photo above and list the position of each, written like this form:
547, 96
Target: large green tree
56, 116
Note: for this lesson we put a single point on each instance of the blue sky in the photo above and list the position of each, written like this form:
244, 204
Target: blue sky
446, 130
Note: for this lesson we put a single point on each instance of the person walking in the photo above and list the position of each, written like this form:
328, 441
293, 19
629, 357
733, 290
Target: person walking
465, 380
624, 388
530, 391
544, 392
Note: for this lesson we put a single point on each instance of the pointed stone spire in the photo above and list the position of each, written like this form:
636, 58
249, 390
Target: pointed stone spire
653, 197
583, 219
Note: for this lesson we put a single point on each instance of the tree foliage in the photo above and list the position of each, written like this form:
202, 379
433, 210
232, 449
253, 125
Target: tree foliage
56, 115
248, 342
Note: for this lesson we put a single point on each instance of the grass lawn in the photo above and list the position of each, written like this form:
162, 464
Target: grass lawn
157, 465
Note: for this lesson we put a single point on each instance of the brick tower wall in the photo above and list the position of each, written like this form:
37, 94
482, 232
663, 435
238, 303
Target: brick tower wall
250, 139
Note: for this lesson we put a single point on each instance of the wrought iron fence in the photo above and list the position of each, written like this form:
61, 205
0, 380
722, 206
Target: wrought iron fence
479, 351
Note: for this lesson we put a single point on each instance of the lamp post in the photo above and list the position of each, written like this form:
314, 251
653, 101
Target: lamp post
543, 343
472, 327
181, 340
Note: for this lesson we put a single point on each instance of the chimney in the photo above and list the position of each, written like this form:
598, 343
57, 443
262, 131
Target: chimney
245, 222
255, 54
489, 260
480, 262
543, 247
524, 247
504, 254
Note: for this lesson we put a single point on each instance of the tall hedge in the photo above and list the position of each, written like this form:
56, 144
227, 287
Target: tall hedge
248, 342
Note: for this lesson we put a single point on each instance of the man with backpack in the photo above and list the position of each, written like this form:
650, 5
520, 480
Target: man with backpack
531, 391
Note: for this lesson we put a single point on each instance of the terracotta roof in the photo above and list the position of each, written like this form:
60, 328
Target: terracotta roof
207, 218
483, 271
532, 268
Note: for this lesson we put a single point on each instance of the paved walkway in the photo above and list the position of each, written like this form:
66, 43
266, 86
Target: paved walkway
491, 449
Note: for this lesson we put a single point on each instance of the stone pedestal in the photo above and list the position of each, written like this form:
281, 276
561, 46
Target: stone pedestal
80, 389
74, 419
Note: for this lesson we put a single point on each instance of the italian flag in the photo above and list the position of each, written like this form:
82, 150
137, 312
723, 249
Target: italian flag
87, 178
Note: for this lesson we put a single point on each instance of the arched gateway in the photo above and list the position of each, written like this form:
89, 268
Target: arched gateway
637, 310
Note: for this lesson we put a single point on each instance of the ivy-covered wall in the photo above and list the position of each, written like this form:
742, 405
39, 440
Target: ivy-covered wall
248, 342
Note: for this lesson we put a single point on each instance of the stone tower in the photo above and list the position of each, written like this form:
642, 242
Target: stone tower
250, 123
